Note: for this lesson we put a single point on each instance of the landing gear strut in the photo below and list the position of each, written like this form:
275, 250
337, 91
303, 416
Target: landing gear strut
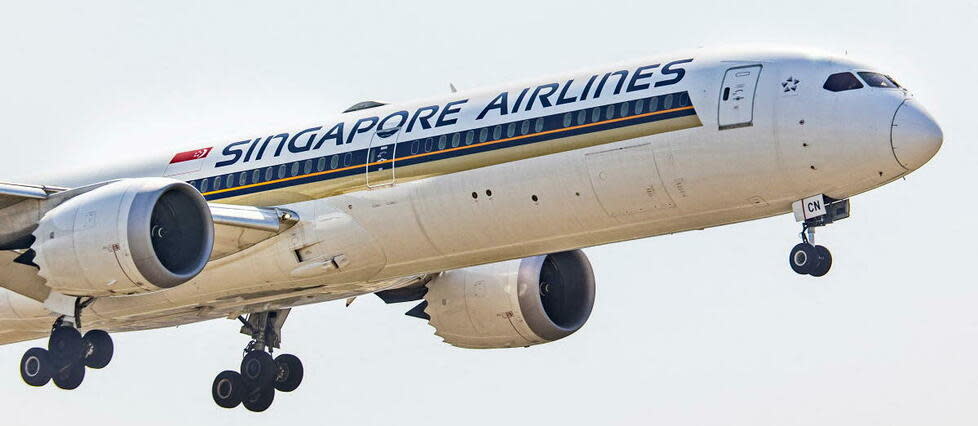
68, 353
807, 258
260, 375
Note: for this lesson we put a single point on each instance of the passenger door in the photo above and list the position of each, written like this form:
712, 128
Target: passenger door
381, 157
737, 97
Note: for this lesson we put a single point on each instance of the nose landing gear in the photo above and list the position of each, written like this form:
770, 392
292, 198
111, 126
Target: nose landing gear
260, 375
807, 258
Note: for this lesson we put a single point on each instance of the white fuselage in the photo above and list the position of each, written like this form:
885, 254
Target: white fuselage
734, 136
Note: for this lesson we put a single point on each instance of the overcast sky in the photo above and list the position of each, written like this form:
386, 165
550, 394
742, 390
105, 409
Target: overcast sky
701, 328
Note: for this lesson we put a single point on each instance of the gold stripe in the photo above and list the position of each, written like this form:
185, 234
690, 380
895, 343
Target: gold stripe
565, 129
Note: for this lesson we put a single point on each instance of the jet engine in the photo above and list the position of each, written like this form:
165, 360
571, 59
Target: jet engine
125, 237
509, 304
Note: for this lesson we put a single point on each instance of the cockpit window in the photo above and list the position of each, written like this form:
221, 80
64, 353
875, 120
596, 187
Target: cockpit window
841, 82
875, 79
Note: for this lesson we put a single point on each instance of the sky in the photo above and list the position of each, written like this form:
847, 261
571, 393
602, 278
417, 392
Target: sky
701, 328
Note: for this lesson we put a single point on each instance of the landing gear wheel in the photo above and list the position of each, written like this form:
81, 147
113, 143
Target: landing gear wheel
258, 369
824, 262
290, 373
70, 376
228, 389
98, 349
65, 345
35, 367
260, 399
803, 258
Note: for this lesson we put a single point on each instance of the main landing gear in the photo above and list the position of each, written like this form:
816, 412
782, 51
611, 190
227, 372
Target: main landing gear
807, 258
68, 354
260, 375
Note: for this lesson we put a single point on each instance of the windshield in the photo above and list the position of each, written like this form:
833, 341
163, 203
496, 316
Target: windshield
875, 79
841, 82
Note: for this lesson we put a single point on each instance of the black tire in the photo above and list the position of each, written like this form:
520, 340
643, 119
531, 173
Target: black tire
70, 376
98, 349
258, 369
228, 389
260, 399
35, 367
824, 262
65, 346
290, 373
803, 258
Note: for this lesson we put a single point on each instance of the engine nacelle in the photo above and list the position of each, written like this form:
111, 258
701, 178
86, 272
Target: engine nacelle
509, 304
129, 236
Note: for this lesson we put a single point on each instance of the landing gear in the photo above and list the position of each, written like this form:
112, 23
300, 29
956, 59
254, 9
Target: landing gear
260, 375
67, 355
807, 258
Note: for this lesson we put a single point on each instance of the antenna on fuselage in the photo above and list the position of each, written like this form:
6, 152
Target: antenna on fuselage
452, 86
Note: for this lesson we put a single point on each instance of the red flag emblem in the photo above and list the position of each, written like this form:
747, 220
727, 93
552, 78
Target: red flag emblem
196, 154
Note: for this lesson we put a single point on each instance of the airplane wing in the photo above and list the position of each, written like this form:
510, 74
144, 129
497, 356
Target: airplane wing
13, 193
238, 227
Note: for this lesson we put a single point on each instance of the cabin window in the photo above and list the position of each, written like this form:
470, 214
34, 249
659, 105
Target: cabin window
243, 178
295, 168
609, 113
282, 170
455, 139
525, 127
347, 159
568, 119
483, 134
334, 162
595, 114
623, 109
511, 130
875, 79
538, 125
268, 173
654, 104
640, 106
497, 132
217, 183
469, 136
667, 102
321, 164
841, 82
307, 167
683, 100
229, 181
415, 146
442, 142
256, 176
203, 186
581, 117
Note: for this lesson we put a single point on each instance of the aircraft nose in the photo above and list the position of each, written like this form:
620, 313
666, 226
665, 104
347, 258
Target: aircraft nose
914, 135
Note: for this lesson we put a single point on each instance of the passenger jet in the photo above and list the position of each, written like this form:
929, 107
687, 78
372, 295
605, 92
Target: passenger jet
474, 205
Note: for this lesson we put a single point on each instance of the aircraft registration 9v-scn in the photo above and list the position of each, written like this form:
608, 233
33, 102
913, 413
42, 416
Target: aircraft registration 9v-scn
475, 205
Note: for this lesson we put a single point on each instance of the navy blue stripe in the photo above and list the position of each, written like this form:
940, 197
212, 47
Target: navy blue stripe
447, 141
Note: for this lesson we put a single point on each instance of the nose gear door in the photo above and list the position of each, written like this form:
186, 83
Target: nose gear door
736, 106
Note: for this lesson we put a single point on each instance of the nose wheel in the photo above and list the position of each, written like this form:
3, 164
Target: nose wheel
260, 375
808, 258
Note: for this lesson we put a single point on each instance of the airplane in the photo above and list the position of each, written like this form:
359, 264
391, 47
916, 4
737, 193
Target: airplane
474, 205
